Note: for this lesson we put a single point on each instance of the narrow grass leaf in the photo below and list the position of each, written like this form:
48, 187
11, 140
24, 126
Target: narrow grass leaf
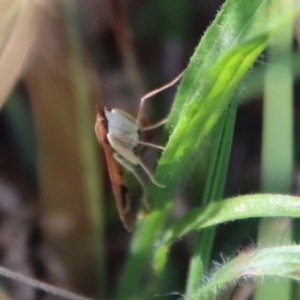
282, 261
277, 146
214, 188
237, 208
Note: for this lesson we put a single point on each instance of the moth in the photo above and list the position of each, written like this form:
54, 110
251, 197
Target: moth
120, 134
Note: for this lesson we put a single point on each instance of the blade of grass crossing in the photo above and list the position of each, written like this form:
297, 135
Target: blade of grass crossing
200, 256
281, 261
213, 191
160, 256
237, 208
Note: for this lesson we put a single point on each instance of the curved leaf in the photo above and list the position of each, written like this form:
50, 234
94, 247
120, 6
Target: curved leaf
249, 206
283, 261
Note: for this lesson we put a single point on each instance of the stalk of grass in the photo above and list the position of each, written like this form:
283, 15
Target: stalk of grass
228, 49
277, 148
213, 191
86, 141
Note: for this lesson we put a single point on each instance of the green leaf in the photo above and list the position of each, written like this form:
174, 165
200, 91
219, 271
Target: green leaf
248, 206
226, 52
215, 182
283, 261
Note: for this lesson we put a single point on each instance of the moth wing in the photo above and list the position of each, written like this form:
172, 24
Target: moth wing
115, 172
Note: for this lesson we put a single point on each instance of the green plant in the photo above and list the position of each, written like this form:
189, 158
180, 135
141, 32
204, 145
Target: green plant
206, 100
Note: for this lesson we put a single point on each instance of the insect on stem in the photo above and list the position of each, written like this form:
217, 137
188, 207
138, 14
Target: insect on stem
120, 133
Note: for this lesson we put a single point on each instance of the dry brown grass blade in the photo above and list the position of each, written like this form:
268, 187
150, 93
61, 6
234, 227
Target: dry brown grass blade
62, 184
18, 45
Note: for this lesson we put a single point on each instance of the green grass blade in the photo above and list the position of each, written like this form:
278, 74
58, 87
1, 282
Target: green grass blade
277, 147
213, 191
226, 52
277, 161
283, 261
237, 208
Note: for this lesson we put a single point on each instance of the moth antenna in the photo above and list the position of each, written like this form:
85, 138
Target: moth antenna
155, 92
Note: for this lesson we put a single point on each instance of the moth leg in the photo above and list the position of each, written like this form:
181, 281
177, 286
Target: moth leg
148, 172
131, 168
126, 139
130, 157
127, 154
153, 93
153, 126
